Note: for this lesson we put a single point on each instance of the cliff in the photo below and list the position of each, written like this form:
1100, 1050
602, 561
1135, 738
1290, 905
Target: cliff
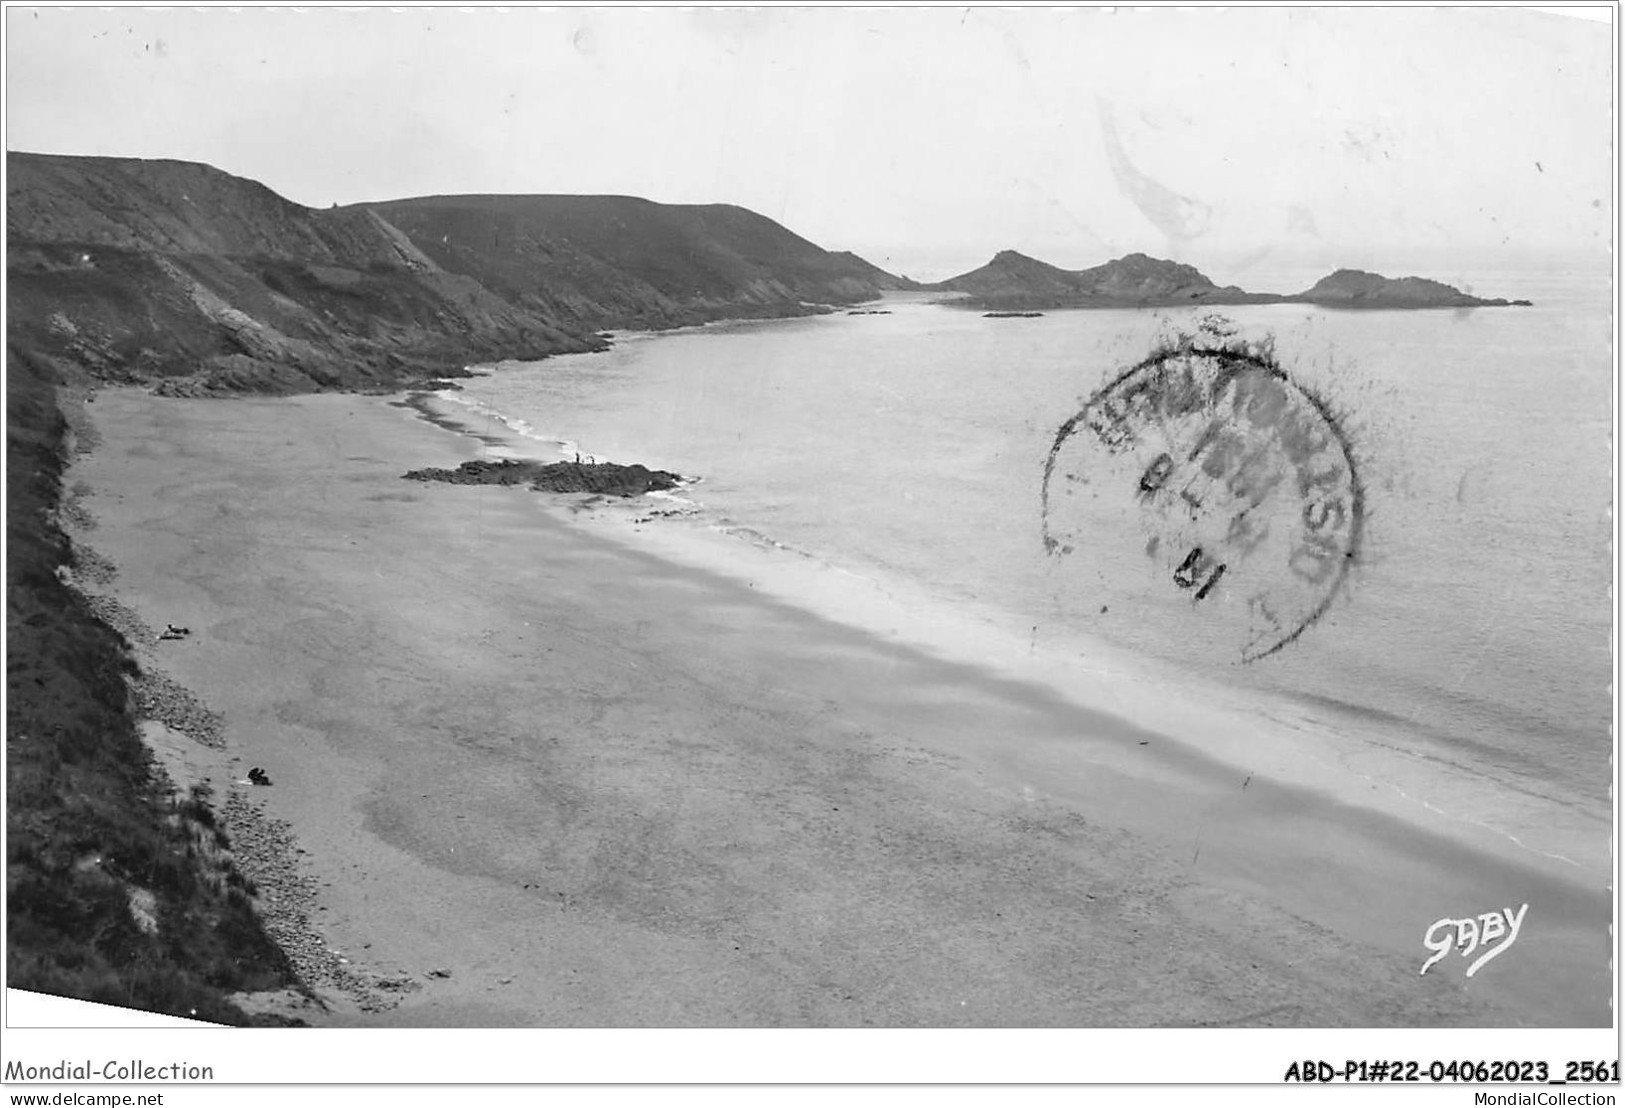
171, 271
596, 262
1014, 282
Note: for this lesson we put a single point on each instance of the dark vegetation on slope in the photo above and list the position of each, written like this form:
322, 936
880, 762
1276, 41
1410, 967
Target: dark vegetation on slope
598, 262
206, 283
211, 284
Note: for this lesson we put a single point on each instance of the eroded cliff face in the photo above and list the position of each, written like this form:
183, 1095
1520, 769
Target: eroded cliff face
206, 283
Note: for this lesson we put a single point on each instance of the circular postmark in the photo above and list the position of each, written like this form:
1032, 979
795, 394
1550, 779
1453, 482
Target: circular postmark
1242, 484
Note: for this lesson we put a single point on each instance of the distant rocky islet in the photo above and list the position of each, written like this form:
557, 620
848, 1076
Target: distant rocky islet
1014, 285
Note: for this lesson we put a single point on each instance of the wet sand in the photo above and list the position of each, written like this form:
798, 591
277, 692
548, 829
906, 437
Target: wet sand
596, 786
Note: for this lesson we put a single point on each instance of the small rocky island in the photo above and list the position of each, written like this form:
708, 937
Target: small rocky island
603, 478
1355, 288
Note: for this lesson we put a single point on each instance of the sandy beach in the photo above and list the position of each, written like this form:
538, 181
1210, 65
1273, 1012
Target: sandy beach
558, 778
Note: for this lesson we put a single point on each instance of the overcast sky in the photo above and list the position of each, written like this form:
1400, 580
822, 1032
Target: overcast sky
1242, 141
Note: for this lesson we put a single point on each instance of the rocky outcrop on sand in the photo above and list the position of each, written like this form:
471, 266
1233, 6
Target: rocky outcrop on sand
602, 478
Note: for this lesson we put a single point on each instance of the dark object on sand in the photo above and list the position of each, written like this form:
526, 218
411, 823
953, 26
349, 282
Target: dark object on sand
256, 776
604, 478
173, 632
1011, 315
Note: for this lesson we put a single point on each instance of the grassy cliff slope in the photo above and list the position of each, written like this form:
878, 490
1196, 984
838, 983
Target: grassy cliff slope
598, 262
138, 270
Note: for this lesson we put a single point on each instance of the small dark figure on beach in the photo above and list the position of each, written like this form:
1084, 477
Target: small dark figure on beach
173, 632
256, 776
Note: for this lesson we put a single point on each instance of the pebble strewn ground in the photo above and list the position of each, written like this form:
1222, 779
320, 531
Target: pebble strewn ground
157, 696
73, 516
120, 617
83, 438
160, 698
91, 567
265, 850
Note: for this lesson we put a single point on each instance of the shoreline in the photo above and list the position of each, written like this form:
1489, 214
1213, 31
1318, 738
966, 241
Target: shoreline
714, 715
1456, 747
1336, 749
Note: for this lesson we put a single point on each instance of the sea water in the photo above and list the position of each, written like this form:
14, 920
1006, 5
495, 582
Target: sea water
910, 446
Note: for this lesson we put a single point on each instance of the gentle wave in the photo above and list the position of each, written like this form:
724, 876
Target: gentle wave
567, 449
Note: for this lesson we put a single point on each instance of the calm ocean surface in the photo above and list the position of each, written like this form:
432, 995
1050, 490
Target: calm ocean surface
1475, 628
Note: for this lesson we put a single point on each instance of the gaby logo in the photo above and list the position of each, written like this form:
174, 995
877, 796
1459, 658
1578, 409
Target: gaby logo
1472, 933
